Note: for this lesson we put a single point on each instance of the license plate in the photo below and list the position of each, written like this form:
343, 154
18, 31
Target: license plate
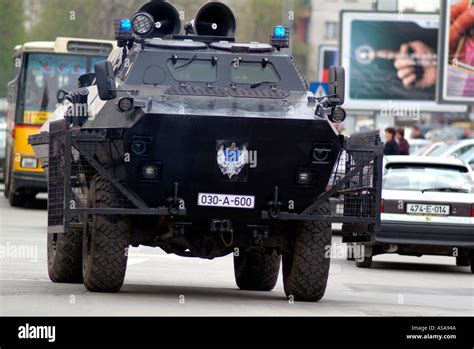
226, 200
431, 210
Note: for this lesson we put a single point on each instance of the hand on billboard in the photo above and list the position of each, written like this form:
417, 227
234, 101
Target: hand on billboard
415, 54
462, 20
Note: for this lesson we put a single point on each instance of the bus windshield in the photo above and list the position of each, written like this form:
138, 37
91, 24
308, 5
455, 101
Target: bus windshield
44, 75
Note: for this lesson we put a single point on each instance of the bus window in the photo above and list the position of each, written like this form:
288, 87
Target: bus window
44, 75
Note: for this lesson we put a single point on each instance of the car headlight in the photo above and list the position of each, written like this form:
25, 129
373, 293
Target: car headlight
29, 163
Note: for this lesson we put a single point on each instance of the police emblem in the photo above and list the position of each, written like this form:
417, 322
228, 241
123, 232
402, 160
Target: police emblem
232, 160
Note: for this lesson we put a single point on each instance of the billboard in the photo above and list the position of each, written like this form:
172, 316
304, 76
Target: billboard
456, 63
391, 61
328, 56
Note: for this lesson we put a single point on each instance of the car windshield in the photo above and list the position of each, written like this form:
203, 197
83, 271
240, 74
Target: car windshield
419, 177
45, 74
440, 150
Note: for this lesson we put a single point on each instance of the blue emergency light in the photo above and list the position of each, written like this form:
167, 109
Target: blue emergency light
279, 32
281, 37
125, 25
123, 31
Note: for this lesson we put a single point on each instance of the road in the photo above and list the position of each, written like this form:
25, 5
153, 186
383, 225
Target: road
160, 285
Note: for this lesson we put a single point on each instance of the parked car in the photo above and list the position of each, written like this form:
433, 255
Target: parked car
418, 145
468, 157
427, 209
427, 151
456, 149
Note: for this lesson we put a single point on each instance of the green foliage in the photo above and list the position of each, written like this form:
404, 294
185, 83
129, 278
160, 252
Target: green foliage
49, 19
12, 33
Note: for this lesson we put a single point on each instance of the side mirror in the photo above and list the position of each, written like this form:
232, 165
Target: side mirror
11, 91
86, 80
105, 79
337, 83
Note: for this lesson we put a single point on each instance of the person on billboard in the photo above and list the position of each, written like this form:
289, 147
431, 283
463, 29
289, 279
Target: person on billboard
416, 65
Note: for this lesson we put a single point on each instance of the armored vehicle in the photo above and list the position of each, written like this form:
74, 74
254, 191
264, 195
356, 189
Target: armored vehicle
204, 147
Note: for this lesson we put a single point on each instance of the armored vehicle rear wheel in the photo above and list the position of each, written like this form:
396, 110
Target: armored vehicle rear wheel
106, 242
256, 271
65, 257
306, 267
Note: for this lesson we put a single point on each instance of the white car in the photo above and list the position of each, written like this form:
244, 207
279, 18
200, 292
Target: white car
427, 208
429, 149
455, 150
469, 158
418, 145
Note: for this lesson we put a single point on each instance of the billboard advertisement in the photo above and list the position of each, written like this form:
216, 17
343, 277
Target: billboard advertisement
456, 63
391, 61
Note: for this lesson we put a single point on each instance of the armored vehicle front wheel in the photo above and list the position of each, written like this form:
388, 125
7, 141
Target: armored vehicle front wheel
306, 266
105, 241
256, 271
65, 257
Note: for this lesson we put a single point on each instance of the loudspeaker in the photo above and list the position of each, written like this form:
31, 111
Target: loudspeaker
165, 16
213, 19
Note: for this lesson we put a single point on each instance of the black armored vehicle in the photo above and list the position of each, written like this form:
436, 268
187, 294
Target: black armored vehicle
203, 146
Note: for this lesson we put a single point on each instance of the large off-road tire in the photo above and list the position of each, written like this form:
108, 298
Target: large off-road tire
306, 267
256, 271
65, 257
106, 241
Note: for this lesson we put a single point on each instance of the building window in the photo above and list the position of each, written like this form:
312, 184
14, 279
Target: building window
331, 30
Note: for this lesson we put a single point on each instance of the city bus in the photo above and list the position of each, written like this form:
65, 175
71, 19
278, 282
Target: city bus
41, 70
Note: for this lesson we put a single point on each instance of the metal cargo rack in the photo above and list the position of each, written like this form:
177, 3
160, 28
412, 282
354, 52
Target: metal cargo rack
356, 184
74, 161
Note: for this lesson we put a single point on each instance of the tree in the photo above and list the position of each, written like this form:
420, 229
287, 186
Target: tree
13, 31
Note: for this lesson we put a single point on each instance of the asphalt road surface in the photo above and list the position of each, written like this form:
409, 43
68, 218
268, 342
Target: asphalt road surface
161, 285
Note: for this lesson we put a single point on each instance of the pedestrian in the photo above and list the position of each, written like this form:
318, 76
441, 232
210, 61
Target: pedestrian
416, 133
403, 144
467, 134
391, 146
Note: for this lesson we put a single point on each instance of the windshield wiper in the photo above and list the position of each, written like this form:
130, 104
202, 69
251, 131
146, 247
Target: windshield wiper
257, 84
187, 63
451, 189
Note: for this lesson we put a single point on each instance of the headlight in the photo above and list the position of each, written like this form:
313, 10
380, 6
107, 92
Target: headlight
303, 177
142, 23
29, 163
150, 172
